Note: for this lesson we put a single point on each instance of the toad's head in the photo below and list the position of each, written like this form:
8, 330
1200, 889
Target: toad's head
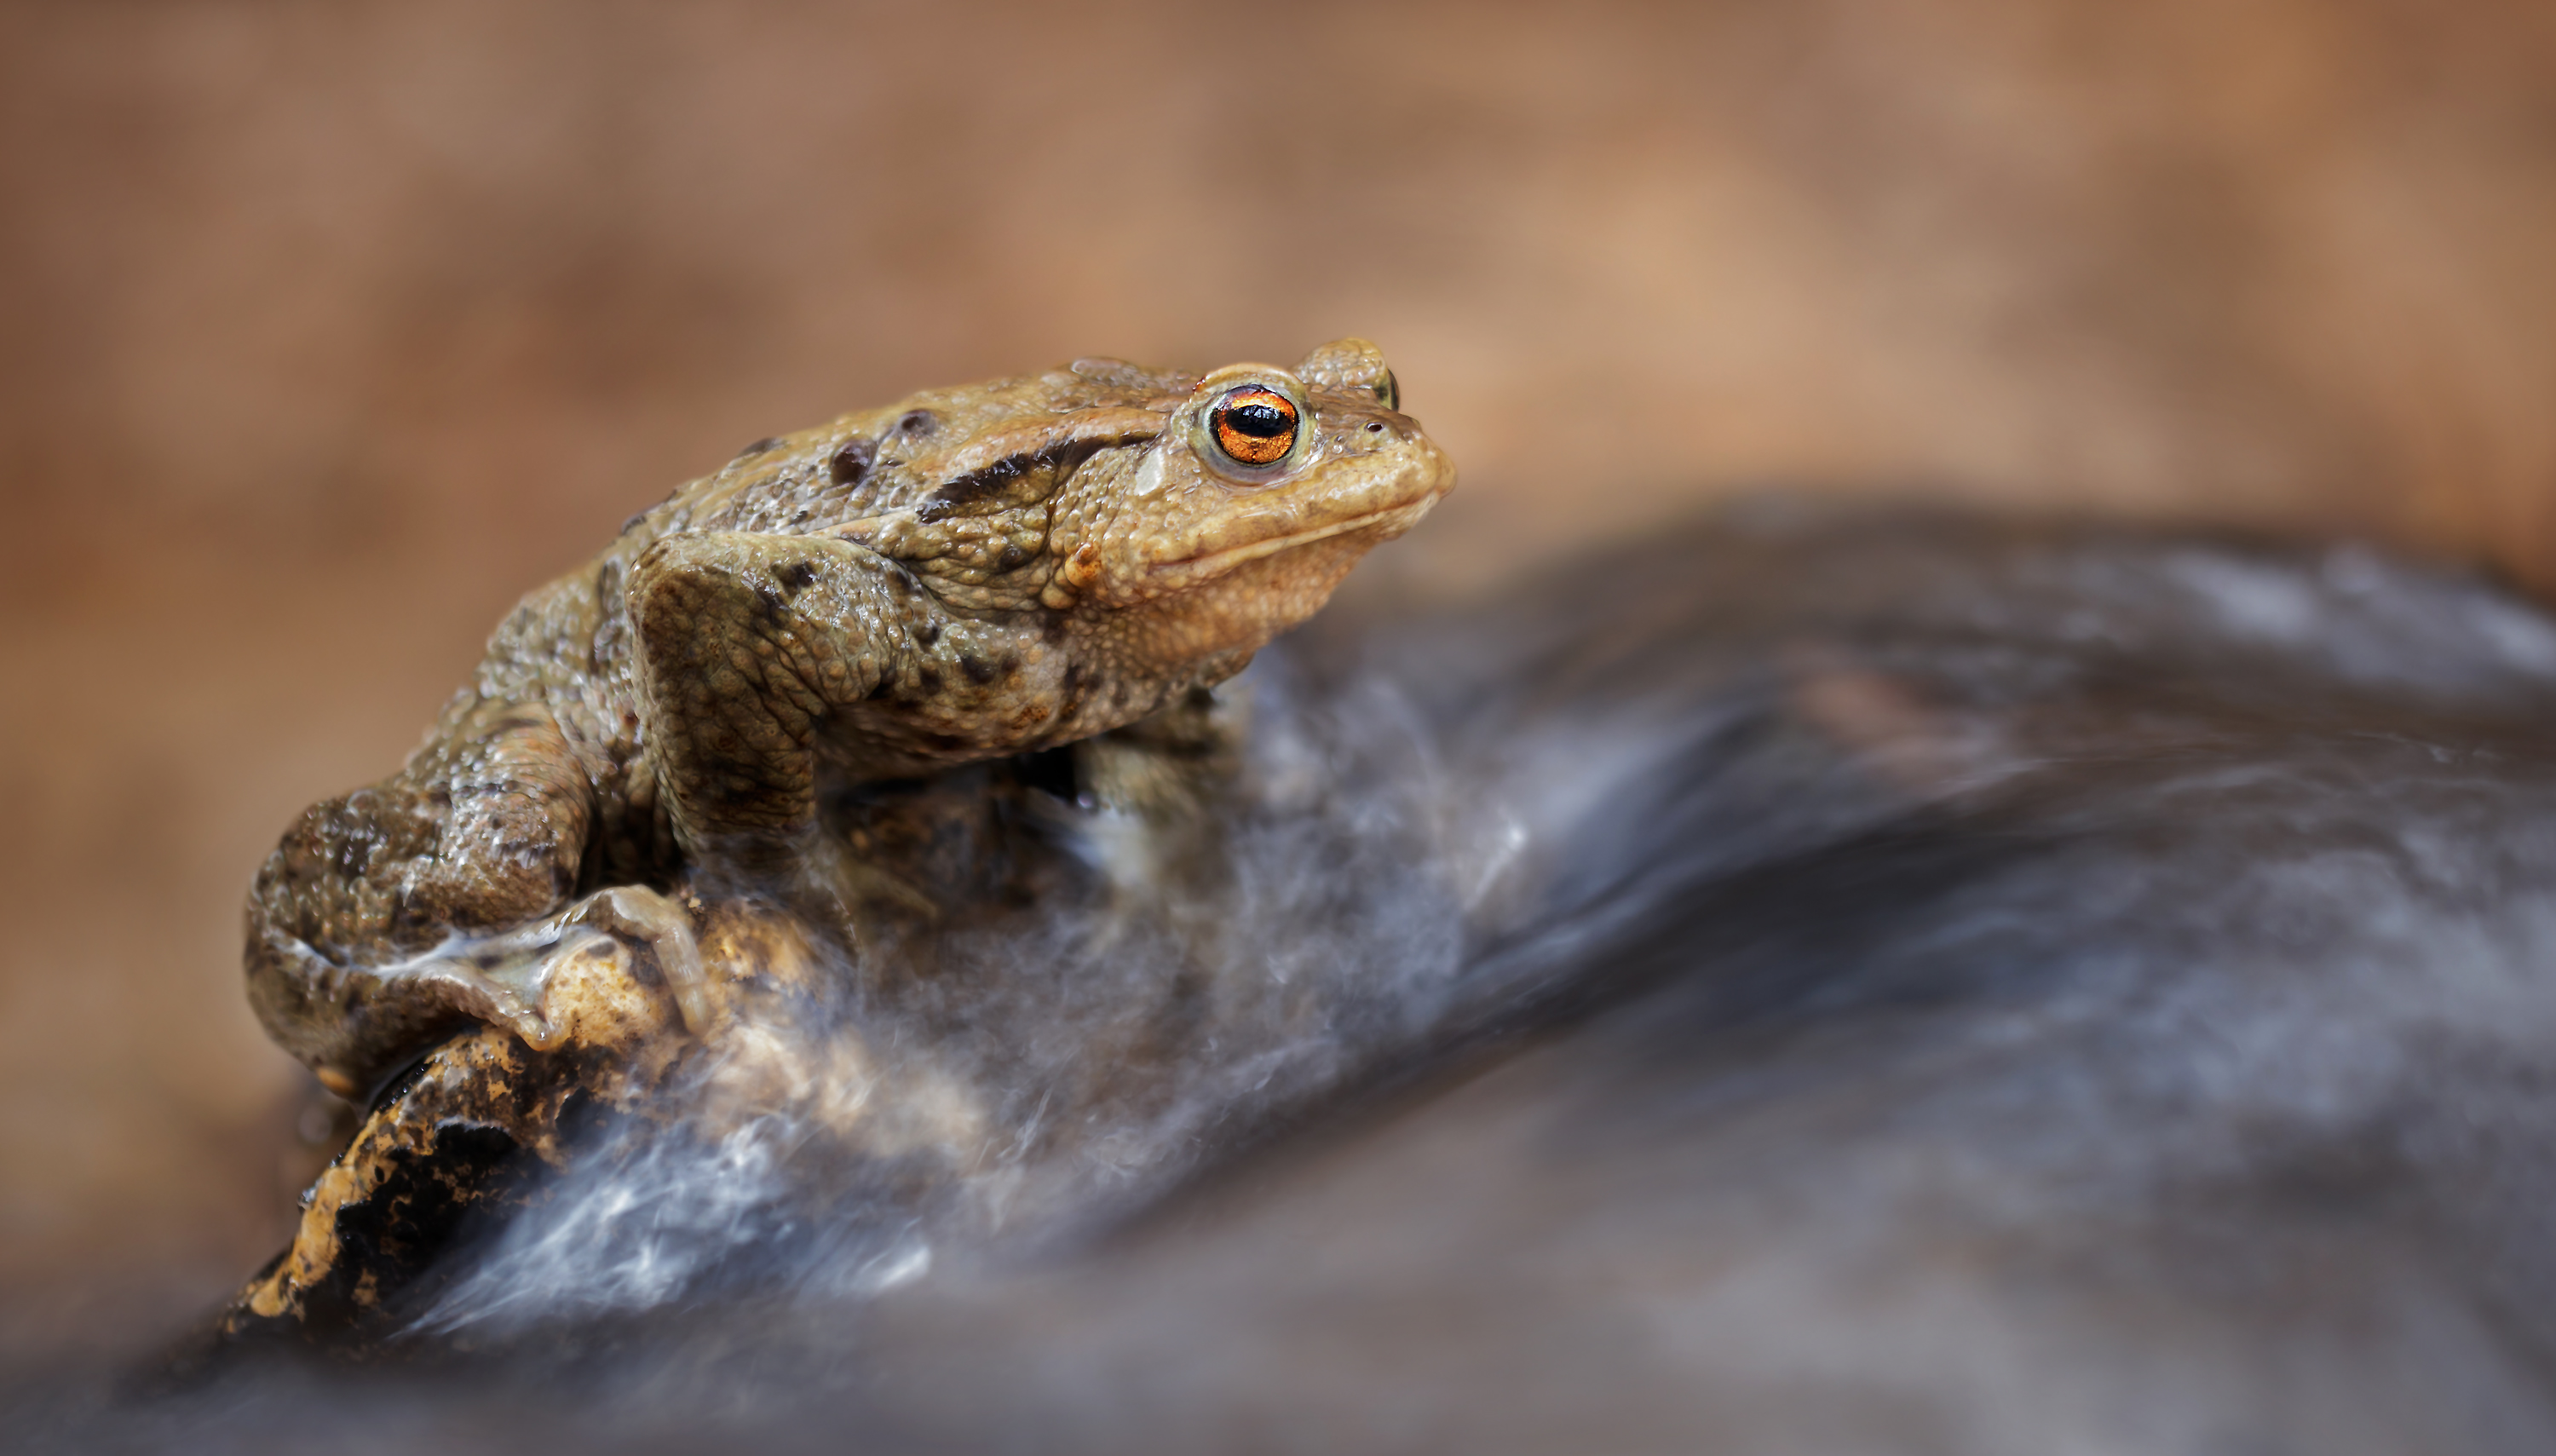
1180, 517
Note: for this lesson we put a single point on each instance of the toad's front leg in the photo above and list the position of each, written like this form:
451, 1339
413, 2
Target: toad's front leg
749, 648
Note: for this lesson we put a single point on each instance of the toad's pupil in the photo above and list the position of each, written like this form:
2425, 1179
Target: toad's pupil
1255, 427
1258, 420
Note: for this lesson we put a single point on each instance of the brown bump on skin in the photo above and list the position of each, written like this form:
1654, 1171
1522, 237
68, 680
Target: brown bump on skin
1077, 573
977, 672
1012, 559
796, 575
850, 462
1083, 568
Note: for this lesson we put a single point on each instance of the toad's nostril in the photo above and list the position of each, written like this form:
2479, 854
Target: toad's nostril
1375, 427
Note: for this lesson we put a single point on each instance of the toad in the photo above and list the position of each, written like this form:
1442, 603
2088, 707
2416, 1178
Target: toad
971, 573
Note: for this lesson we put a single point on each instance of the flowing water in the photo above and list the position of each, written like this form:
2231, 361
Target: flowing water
1820, 980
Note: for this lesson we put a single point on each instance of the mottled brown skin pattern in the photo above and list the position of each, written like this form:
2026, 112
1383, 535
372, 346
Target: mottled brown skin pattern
970, 573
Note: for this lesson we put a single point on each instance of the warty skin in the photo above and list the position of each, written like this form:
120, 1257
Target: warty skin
970, 573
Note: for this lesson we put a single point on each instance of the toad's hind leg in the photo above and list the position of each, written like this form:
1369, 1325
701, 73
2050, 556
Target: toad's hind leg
568, 976
485, 830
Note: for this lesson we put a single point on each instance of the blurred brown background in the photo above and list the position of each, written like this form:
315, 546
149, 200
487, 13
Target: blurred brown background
333, 327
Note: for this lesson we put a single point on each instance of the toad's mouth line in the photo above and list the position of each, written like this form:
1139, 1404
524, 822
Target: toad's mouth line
1211, 563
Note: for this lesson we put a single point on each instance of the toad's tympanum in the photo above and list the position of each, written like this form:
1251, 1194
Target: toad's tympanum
969, 573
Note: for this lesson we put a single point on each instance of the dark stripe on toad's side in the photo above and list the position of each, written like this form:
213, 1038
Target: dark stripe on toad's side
991, 480
976, 485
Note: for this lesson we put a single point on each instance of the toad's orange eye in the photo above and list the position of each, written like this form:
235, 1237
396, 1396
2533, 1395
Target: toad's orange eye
1257, 426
